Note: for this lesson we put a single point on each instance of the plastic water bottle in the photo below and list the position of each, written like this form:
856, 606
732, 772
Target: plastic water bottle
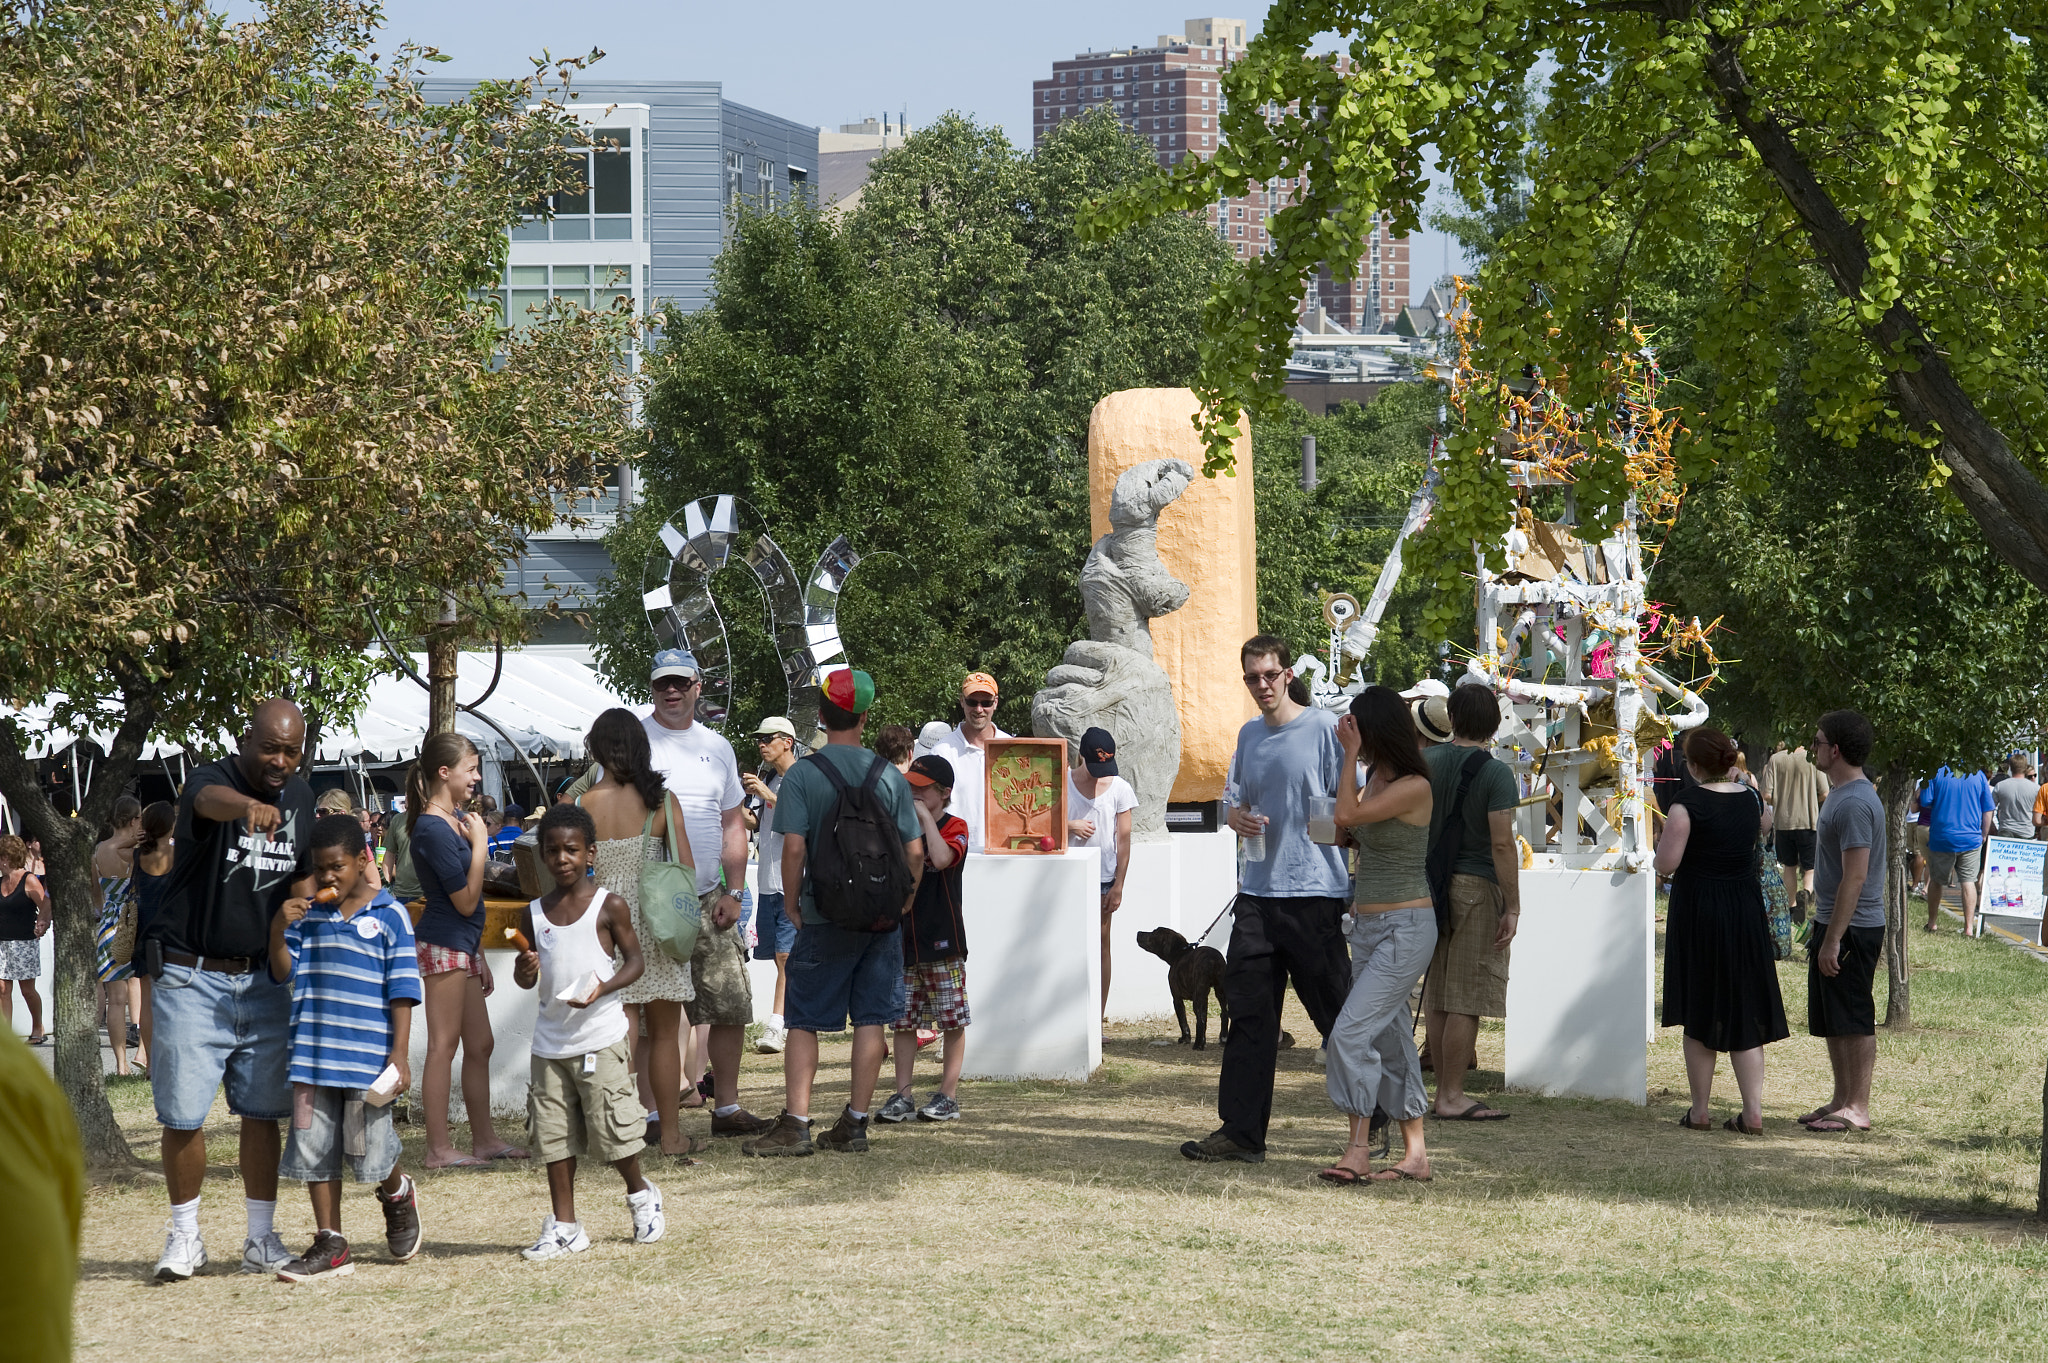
1255, 845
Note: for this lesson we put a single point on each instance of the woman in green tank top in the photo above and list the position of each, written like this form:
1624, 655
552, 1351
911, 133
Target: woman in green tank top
1392, 932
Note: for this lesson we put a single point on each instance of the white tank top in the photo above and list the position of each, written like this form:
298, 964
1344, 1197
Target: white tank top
568, 954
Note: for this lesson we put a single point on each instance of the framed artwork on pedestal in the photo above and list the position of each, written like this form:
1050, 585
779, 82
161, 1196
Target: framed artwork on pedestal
1025, 797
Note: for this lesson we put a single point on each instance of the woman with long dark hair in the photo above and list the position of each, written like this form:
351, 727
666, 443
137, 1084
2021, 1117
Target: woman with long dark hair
632, 811
448, 846
1720, 972
153, 857
1392, 932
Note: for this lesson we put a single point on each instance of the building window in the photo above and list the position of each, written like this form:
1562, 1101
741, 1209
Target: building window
525, 290
601, 207
734, 165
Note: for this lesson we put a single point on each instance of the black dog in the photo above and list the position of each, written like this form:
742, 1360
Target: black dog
1191, 973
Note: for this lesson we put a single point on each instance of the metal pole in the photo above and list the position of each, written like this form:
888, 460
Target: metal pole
1308, 463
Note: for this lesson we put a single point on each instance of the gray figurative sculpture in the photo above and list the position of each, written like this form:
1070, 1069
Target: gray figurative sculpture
1110, 679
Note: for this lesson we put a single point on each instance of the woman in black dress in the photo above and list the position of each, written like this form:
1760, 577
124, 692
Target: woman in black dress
1720, 981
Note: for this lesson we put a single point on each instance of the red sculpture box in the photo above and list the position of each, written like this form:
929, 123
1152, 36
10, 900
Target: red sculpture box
1025, 798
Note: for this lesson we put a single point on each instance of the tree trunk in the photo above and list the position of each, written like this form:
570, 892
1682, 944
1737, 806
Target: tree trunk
442, 647
75, 909
1895, 788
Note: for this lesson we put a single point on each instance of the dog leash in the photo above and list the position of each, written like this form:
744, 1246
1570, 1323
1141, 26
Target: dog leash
1227, 908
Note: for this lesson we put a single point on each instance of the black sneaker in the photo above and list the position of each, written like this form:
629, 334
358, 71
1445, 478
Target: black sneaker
402, 1220
847, 1135
1216, 1148
328, 1258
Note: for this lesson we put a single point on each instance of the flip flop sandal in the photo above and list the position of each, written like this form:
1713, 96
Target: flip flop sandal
1685, 1120
1399, 1176
1339, 1175
1735, 1124
1472, 1114
459, 1162
505, 1152
1833, 1126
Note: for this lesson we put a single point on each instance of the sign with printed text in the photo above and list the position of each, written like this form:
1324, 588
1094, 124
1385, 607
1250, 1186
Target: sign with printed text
2012, 877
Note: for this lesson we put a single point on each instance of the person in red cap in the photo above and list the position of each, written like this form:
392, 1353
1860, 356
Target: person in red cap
934, 950
966, 748
836, 971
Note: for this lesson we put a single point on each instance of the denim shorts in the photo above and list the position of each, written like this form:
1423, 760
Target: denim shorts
834, 972
774, 934
334, 1128
212, 1028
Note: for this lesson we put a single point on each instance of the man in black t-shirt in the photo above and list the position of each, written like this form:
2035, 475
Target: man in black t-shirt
244, 825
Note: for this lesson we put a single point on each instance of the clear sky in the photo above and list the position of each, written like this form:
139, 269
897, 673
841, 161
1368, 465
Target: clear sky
818, 63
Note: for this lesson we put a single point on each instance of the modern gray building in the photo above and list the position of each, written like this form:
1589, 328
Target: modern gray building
672, 157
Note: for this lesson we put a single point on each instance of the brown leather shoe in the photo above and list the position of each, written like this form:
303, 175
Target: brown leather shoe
790, 1136
847, 1135
741, 1123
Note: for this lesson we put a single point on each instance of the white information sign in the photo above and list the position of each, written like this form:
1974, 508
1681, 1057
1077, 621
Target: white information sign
2012, 877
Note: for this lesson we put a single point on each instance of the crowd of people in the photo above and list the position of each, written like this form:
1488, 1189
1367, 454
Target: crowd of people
265, 949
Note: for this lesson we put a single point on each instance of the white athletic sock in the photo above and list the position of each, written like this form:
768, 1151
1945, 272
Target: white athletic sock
185, 1217
775, 1022
725, 1111
857, 1116
652, 1115
642, 1196
805, 1120
262, 1216
567, 1229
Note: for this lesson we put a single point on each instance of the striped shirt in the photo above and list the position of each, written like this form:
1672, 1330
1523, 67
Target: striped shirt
346, 974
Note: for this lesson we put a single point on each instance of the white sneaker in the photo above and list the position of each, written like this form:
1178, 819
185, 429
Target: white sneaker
555, 1241
184, 1255
1321, 1059
648, 1223
265, 1256
773, 1038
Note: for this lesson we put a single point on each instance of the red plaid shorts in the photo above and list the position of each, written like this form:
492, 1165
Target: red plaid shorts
934, 996
441, 960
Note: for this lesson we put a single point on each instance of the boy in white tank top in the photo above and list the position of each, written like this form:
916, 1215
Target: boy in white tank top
582, 1097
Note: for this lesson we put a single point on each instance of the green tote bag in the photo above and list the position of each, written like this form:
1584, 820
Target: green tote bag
668, 896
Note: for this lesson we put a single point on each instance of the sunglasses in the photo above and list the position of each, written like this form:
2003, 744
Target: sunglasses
979, 702
673, 684
1263, 678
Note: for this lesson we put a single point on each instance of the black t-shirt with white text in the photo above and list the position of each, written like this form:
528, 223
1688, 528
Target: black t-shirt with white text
226, 882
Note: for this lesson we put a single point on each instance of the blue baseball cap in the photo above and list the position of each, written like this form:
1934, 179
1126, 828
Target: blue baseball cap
674, 662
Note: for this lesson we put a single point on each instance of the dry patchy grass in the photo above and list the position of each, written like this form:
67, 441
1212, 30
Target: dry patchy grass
1056, 1221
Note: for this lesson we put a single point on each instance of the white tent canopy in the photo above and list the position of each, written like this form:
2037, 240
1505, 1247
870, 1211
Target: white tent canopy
545, 703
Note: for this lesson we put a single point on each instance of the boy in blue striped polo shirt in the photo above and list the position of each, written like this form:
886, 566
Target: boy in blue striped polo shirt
348, 953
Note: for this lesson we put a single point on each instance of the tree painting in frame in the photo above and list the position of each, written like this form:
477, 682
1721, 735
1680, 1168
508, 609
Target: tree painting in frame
1026, 805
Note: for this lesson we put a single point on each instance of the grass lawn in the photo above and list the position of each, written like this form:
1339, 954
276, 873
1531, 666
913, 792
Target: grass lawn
1056, 1221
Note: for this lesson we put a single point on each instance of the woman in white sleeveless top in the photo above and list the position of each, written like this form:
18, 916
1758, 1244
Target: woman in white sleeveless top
619, 804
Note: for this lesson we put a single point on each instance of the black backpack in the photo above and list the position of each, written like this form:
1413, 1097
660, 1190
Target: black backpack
860, 878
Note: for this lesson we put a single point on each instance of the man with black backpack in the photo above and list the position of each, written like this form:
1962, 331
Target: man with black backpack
851, 842
1474, 870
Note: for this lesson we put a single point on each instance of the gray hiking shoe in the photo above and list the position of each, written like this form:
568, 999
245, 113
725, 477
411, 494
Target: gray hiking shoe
1215, 1148
939, 1109
901, 1107
847, 1136
789, 1136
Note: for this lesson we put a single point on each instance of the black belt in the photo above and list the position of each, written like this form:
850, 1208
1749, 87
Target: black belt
220, 965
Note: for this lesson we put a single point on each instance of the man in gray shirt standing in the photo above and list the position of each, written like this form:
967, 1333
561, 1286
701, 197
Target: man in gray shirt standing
1849, 866
1290, 903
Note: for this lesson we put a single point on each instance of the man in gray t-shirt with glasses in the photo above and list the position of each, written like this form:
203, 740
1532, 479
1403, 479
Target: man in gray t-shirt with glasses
1848, 944
1290, 906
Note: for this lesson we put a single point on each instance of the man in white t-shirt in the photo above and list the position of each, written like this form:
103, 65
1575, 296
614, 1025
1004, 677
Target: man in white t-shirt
966, 747
1099, 805
697, 765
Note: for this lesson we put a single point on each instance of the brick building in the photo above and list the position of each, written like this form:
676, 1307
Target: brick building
1167, 94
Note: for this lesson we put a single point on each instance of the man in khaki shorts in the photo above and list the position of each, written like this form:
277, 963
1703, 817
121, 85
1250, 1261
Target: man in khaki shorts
1468, 975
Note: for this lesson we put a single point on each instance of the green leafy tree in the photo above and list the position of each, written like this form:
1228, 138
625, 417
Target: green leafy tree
1369, 462
1878, 170
918, 375
1858, 582
246, 393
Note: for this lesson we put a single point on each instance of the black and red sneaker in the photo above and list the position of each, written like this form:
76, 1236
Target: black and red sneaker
402, 1220
328, 1258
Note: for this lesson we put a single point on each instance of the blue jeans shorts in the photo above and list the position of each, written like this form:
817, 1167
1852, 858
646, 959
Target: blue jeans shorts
333, 1127
834, 972
774, 934
211, 1029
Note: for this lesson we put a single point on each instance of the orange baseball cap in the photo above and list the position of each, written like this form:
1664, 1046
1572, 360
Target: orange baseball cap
979, 681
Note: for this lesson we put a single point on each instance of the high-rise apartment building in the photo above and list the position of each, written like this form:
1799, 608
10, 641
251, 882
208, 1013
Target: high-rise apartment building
1168, 95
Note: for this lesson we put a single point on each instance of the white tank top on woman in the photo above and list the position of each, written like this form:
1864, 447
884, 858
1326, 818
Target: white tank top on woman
567, 954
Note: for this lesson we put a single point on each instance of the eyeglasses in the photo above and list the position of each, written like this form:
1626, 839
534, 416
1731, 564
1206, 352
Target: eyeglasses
1264, 678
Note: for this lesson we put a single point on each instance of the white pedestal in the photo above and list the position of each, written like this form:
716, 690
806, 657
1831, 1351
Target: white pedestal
512, 1011
1581, 988
1034, 965
1182, 882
